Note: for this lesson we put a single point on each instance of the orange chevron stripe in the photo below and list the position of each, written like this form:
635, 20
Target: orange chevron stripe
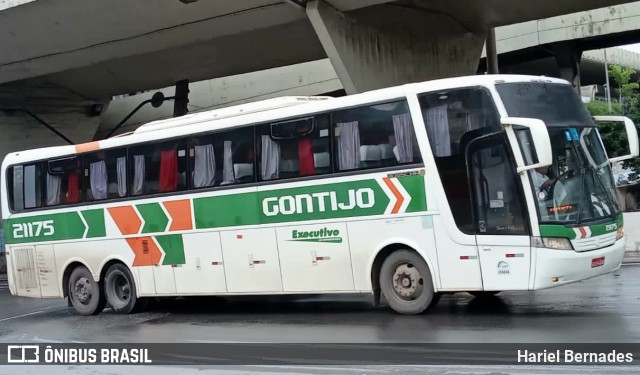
126, 219
146, 251
180, 212
89, 146
583, 232
396, 193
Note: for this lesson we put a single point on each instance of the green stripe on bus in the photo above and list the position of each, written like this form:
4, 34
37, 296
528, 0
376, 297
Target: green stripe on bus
333, 201
173, 249
315, 202
95, 222
66, 226
226, 210
414, 185
558, 230
155, 220
604, 228
555, 230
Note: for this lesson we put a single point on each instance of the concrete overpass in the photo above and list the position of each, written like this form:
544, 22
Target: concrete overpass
555, 45
63, 60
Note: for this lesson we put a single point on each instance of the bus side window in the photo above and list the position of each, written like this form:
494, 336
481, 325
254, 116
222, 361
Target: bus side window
105, 174
375, 136
222, 158
63, 182
24, 185
158, 168
294, 148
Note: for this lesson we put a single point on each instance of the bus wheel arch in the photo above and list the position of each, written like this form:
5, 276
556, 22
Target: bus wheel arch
395, 258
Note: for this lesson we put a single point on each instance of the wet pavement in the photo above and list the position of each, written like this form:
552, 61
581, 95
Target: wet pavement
603, 309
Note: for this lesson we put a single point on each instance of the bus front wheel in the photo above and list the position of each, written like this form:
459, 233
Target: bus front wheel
405, 281
120, 289
85, 294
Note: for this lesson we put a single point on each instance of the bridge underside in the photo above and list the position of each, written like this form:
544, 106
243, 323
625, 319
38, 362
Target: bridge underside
63, 61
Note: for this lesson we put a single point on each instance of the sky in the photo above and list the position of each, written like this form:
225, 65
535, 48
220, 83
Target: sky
632, 47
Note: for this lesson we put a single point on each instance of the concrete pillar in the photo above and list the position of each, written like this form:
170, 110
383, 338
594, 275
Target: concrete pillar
568, 58
388, 44
492, 52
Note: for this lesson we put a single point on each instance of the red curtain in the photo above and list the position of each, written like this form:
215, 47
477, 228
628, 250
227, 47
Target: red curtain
168, 171
305, 157
73, 191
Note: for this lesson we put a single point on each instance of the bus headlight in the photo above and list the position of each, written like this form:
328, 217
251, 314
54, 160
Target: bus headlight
620, 232
556, 243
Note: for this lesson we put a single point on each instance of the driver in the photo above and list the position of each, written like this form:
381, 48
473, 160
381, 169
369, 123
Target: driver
542, 181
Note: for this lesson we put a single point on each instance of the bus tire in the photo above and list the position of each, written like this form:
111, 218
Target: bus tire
120, 289
85, 294
405, 281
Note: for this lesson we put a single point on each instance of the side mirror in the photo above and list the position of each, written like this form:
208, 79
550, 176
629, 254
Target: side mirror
632, 136
530, 142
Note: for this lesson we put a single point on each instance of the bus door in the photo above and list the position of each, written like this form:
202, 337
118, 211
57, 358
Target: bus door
500, 214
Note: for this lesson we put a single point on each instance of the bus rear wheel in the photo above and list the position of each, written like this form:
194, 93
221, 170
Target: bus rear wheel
120, 290
405, 281
85, 294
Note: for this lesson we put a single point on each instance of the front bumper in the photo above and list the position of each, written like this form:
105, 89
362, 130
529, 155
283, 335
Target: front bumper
569, 266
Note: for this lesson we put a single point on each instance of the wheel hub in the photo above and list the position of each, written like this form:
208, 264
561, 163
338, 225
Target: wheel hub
407, 282
82, 290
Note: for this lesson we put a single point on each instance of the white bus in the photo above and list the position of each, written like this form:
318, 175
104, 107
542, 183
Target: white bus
474, 184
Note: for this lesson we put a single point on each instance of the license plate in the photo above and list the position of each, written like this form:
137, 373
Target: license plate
597, 262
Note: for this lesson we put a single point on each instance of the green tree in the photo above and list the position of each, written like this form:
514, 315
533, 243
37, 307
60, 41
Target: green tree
613, 135
622, 76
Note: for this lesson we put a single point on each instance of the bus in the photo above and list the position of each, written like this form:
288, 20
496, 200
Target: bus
475, 184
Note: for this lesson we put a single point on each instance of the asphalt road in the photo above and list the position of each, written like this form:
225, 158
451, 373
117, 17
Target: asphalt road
604, 309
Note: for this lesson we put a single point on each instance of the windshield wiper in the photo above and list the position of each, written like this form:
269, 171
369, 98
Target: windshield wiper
612, 211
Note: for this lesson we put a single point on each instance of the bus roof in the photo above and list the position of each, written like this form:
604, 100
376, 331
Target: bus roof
233, 111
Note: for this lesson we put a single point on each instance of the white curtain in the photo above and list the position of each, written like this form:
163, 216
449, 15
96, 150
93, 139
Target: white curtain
438, 130
54, 184
121, 170
30, 196
138, 174
349, 145
403, 131
204, 170
227, 164
98, 179
270, 166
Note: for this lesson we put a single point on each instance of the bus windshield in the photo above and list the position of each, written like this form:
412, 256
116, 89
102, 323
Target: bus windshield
578, 187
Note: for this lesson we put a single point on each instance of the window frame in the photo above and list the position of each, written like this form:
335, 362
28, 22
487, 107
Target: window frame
333, 143
333, 173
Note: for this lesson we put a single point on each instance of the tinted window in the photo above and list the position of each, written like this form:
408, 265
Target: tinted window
294, 148
374, 136
105, 175
25, 186
222, 158
498, 200
555, 104
63, 182
158, 168
453, 119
